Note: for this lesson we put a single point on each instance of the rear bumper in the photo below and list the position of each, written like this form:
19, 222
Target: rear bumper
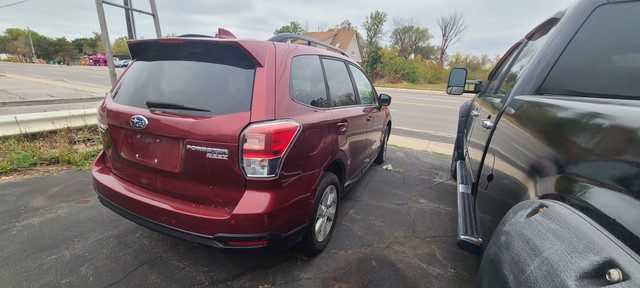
257, 224
276, 242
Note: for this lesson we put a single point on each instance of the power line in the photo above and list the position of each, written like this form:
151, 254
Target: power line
16, 3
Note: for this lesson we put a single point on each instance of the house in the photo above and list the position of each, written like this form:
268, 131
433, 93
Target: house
343, 40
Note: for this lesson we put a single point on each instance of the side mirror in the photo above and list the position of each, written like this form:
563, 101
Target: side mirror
384, 100
457, 81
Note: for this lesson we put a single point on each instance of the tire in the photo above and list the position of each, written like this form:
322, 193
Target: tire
324, 215
382, 154
455, 157
454, 167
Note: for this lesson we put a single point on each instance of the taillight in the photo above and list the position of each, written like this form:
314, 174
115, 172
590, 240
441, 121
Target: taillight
103, 128
264, 146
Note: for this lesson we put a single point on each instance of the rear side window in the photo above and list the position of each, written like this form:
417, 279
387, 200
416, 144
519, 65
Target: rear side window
306, 82
215, 79
340, 86
603, 59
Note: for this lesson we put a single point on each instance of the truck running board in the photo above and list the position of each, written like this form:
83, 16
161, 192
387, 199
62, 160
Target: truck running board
468, 234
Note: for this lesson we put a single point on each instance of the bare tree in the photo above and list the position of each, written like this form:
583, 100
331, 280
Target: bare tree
451, 27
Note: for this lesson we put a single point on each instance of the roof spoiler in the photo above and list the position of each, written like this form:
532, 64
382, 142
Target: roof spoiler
222, 34
286, 36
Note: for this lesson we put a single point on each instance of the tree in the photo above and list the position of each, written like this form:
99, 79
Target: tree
83, 45
61, 48
427, 52
120, 46
407, 37
293, 27
345, 26
373, 25
478, 67
4, 43
451, 28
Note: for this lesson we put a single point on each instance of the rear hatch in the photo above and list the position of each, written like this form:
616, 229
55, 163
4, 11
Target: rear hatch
175, 117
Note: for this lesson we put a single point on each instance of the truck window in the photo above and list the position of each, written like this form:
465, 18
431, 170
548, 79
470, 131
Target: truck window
501, 86
602, 59
499, 72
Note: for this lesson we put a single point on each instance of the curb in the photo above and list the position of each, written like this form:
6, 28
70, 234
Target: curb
421, 145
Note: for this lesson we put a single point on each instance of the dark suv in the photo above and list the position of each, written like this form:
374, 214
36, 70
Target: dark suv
547, 154
236, 144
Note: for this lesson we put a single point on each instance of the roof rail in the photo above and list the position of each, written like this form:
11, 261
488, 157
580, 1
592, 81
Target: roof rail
286, 36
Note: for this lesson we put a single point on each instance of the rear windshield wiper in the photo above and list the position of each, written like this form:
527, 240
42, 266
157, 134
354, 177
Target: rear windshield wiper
165, 105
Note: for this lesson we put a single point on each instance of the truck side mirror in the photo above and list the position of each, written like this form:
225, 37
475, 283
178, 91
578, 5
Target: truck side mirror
457, 81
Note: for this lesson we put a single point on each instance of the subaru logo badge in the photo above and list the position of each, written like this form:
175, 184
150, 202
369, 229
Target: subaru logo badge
138, 122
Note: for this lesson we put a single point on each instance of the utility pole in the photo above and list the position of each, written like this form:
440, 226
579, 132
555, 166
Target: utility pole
33, 51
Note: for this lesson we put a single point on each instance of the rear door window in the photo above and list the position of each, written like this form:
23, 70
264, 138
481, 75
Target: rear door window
341, 90
306, 82
197, 79
603, 58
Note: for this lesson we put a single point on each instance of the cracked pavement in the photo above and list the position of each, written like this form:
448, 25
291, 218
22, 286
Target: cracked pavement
393, 230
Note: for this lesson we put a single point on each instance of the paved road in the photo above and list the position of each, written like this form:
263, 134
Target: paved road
424, 114
83, 74
394, 230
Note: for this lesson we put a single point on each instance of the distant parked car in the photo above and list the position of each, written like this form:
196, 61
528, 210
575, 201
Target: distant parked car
117, 63
125, 63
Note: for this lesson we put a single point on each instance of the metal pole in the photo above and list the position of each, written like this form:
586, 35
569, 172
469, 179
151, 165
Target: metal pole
105, 42
156, 21
33, 51
128, 15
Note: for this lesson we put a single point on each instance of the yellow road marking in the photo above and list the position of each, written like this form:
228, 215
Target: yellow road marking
430, 105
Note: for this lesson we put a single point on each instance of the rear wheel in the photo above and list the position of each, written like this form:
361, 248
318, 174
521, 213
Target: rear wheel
323, 216
382, 154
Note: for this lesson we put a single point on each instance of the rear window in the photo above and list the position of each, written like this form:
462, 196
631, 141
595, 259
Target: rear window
190, 78
603, 58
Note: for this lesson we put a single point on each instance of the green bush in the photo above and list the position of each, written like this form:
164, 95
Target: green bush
73, 147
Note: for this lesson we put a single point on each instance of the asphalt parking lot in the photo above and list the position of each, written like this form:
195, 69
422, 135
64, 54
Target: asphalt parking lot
395, 229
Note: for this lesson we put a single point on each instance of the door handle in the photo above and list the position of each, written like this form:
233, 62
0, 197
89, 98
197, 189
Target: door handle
475, 113
487, 124
369, 118
342, 125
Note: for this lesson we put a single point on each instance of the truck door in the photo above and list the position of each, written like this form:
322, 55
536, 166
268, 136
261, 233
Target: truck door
497, 187
483, 114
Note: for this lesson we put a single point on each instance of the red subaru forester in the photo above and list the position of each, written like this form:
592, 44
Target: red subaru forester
240, 145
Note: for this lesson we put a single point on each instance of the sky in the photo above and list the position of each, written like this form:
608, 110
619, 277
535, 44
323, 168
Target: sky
492, 26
